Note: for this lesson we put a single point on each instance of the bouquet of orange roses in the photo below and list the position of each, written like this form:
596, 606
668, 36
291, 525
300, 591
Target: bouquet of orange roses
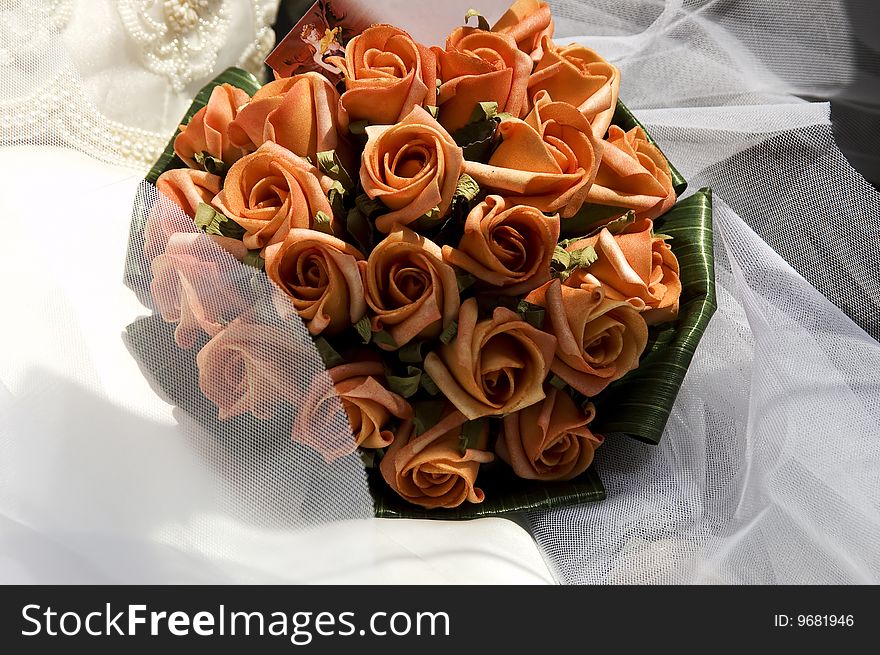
471, 235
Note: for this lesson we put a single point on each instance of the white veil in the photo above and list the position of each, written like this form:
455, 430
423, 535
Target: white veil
768, 469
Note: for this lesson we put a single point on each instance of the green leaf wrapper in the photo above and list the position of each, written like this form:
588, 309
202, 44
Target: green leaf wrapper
639, 404
210, 221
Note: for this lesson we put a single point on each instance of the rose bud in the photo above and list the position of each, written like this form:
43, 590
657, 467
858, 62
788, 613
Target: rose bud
529, 22
298, 113
479, 66
412, 167
411, 291
549, 440
579, 76
370, 407
272, 191
322, 277
431, 470
548, 161
189, 288
386, 75
208, 130
494, 366
634, 175
188, 188
598, 340
184, 188
636, 267
250, 368
507, 247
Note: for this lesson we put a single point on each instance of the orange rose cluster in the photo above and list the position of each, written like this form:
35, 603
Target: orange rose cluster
416, 218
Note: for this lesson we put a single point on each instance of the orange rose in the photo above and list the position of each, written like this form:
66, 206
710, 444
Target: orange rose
548, 161
529, 22
506, 246
494, 366
184, 188
386, 75
636, 267
579, 76
208, 129
412, 167
322, 276
249, 368
549, 440
598, 340
634, 175
188, 188
193, 289
371, 408
298, 113
271, 192
430, 470
479, 66
410, 289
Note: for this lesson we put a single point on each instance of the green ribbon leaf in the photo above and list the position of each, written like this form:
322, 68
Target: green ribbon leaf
323, 222
583, 257
484, 111
449, 333
427, 383
427, 221
482, 23
412, 353
618, 225
210, 163
534, 315
328, 354
467, 187
477, 138
210, 221
358, 128
405, 385
328, 161
253, 258
336, 196
360, 229
368, 457
427, 413
370, 207
558, 382
384, 338
434, 110
565, 262
465, 281
364, 329
470, 435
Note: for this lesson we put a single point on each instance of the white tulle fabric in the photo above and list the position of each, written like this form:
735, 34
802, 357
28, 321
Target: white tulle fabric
768, 469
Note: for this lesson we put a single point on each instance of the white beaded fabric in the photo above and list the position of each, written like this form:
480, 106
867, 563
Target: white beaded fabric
164, 51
